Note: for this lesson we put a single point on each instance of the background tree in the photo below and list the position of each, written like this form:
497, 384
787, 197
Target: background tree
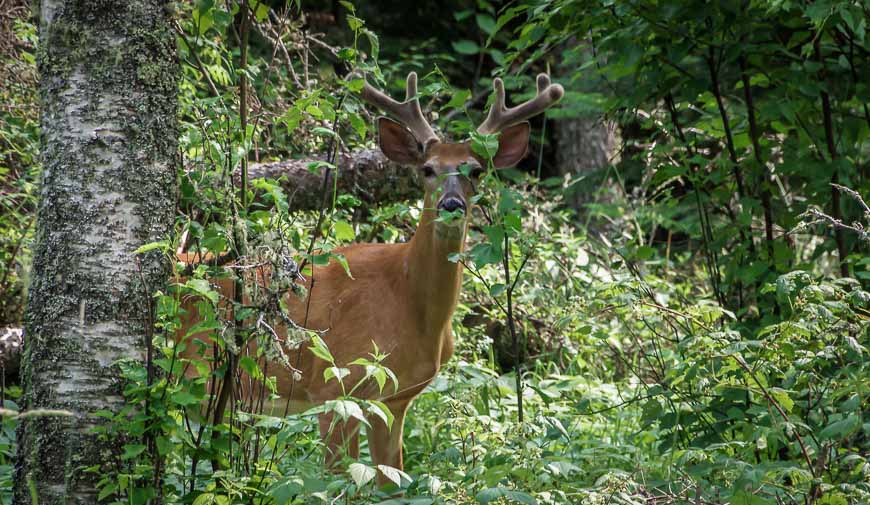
108, 88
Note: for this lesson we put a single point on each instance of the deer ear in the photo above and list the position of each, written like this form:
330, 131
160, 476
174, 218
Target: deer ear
513, 144
397, 143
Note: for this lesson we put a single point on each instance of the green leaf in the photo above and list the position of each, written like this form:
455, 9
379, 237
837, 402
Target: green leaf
211, 499
361, 474
262, 11
841, 429
106, 491
320, 349
381, 410
458, 99
782, 398
484, 145
335, 372
486, 23
495, 234
466, 47
497, 289
494, 493
343, 231
342, 260
202, 20
373, 42
183, 398
249, 365
152, 246
394, 474
202, 287
132, 450
486, 254
358, 124
284, 491
346, 409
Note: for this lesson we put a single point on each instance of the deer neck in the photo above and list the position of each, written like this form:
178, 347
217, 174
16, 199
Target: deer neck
434, 280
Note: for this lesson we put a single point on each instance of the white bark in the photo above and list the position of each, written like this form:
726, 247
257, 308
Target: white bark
108, 186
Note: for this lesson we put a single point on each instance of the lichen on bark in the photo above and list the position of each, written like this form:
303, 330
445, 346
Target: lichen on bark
109, 134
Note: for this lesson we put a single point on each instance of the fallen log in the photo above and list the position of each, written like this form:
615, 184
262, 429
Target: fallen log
364, 173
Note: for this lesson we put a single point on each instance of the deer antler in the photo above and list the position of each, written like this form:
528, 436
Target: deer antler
500, 117
408, 112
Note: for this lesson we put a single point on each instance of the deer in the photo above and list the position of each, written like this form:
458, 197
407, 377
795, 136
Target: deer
401, 296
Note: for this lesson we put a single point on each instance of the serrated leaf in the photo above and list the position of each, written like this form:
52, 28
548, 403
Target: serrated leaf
782, 398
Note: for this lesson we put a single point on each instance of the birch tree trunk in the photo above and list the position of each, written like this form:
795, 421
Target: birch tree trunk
108, 90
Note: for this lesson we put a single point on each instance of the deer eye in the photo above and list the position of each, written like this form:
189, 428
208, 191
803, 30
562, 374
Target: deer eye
476, 171
428, 171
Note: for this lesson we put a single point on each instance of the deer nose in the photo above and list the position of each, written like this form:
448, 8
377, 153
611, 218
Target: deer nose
451, 203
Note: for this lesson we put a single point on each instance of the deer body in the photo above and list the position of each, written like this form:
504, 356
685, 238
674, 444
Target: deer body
400, 296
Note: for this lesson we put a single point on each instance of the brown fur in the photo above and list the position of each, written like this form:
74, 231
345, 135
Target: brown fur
401, 297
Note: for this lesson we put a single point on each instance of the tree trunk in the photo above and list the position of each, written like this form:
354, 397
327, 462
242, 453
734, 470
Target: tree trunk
109, 136
585, 142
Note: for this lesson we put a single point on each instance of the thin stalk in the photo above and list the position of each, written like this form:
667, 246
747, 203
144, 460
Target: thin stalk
226, 391
706, 232
827, 117
518, 351
729, 143
764, 176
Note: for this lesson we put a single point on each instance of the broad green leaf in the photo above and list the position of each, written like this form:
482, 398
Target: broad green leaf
335, 372
319, 348
841, 429
381, 410
361, 474
343, 231
394, 474
486, 23
132, 450
466, 47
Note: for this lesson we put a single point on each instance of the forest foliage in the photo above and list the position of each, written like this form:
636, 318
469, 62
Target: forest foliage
695, 331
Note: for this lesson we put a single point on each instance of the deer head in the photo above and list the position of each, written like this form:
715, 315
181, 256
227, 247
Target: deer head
411, 140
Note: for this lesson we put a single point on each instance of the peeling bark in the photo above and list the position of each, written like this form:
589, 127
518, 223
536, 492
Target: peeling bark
365, 173
108, 91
